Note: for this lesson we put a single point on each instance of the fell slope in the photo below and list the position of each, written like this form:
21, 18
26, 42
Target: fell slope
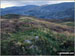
31, 36
54, 11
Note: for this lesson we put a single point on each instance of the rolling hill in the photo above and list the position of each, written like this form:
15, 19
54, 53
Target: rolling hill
17, 10
33, 36
54, 11
37, 30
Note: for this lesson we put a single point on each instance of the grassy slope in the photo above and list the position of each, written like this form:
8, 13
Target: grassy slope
29, 35
69, 23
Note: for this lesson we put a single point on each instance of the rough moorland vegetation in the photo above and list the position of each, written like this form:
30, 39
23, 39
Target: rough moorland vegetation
31, 36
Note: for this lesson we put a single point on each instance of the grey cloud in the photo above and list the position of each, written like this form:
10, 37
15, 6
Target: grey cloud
32, 2
26, 2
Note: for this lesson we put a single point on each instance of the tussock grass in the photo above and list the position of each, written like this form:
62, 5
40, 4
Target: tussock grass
31, 36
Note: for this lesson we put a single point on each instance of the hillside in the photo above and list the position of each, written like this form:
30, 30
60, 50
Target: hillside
54, 11
17, 10
33, 36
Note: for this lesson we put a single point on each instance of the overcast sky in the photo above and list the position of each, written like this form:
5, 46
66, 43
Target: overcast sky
10, 3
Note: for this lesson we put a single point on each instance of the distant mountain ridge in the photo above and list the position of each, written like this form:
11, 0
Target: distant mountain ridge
54, 11
17, 10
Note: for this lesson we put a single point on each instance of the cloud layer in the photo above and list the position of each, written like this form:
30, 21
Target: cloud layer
9, 3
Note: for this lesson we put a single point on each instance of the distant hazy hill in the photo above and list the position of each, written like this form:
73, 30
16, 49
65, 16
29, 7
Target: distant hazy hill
55, 11
17, 10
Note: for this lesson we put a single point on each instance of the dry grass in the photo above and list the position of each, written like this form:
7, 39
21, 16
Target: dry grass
51, 36
53, 26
